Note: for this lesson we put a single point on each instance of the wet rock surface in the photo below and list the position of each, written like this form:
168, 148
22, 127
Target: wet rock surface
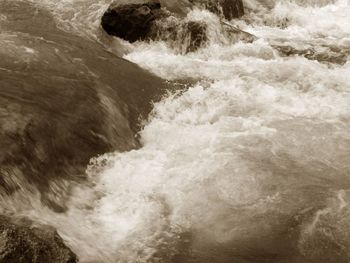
197, 35
160, 20
63, 100
184, 36
229, 9
131, 22
148, 21
20, 242
322, 54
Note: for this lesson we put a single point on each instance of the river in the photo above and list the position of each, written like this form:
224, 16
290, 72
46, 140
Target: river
246, 158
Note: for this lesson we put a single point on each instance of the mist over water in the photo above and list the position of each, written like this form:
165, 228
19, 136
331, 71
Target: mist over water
248, 162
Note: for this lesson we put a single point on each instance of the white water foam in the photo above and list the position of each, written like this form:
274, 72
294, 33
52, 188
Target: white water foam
258, 138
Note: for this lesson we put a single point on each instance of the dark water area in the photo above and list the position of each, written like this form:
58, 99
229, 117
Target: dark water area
64, 99
246, 159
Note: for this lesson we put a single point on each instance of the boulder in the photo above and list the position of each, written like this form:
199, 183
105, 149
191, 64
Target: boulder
152, 20
63, 100
22, 243
148, 21
131, 22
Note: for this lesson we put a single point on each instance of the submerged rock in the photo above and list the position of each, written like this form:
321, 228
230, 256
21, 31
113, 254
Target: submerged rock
229, 9
196, 32
184, 36
323, 54
22, 243
63, 100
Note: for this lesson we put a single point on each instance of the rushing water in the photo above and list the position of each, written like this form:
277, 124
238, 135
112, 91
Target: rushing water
250, 162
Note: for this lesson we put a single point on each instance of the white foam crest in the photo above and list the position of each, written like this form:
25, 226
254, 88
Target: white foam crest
289, 20
328, 21
263, 5
214, 27
207, 153
312, 88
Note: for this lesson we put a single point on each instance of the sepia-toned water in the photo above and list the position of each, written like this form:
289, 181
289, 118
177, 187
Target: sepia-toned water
249, 161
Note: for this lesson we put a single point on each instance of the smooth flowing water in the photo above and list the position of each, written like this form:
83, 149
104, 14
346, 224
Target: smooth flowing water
249, 162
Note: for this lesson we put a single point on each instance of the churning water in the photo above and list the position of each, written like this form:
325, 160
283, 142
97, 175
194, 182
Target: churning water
250, 162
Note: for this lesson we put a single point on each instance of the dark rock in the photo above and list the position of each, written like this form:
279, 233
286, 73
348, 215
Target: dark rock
230, 9
22, 243
147, 21
131, 22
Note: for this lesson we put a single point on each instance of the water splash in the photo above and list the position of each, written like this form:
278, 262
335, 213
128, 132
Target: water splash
257, 149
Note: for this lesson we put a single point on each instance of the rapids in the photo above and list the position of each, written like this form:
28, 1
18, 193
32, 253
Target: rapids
249, 161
